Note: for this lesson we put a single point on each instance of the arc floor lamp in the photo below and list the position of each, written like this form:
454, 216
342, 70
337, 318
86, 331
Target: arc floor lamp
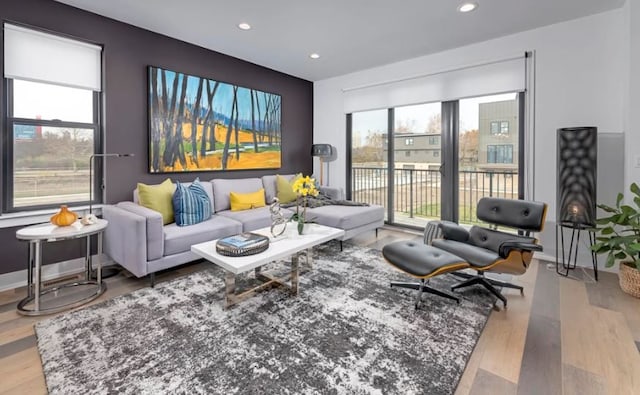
90, 218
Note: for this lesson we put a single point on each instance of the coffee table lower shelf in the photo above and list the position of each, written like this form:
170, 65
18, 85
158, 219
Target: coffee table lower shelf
290, 282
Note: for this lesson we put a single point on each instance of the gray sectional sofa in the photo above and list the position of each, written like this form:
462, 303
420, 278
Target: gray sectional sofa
137, 240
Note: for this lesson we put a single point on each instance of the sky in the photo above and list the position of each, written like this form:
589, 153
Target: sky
33, 99
418, 115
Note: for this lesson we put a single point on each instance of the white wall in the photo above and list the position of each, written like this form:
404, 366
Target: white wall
582, 75
632, 173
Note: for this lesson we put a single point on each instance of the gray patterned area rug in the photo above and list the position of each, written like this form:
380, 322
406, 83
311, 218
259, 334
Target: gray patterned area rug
347, 332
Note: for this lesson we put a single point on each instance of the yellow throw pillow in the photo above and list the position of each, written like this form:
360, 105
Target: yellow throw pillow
284, 188
159, 198
246, 201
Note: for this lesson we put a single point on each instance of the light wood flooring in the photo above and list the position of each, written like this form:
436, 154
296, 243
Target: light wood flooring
564, 336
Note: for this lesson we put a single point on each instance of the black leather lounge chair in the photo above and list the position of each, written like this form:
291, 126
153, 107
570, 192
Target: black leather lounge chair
479, 248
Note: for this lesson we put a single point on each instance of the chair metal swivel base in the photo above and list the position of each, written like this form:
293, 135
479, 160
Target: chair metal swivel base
423, 287
488, 283
493, 282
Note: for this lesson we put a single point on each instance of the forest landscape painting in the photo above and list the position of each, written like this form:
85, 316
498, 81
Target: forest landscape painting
198, 124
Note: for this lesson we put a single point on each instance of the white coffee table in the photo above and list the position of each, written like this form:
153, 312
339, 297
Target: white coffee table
289, 245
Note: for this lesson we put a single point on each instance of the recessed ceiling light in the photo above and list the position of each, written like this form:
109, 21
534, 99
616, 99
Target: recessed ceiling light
314, 56
244, 26
467, 7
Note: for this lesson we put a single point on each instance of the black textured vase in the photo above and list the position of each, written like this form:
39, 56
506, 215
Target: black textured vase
577, 174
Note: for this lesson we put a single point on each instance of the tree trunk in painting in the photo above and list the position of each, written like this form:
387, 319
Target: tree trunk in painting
167, 157
237, 133
253, 125
225, 151
266, 117
259, 122
194, 124
212, 131
176, 144
155, 122
209, 122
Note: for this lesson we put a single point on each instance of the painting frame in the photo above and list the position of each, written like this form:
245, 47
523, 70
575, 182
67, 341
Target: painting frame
236, 127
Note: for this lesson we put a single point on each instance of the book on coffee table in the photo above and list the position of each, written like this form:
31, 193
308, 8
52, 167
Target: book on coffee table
242, 244
242, 240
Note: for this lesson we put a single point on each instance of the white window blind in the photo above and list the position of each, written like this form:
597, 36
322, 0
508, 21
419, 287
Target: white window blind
470, 81
36, 56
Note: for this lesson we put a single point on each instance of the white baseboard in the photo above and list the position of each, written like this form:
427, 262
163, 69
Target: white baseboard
18, 279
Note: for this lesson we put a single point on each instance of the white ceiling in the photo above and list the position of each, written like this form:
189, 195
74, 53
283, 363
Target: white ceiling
350, 35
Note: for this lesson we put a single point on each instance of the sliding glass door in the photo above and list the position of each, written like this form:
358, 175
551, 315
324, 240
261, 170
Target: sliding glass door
369, 157
416, 158
488, 151
436, 160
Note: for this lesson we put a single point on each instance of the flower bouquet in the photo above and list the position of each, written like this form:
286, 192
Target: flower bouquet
304, 187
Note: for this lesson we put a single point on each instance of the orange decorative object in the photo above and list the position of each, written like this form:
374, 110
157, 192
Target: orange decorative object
64, 217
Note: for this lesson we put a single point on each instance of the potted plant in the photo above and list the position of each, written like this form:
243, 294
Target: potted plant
619, 238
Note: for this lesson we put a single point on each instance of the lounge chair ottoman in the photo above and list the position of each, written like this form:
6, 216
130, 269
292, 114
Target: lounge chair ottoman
424, 262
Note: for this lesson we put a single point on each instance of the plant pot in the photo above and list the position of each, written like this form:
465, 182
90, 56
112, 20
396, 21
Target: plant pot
629, 279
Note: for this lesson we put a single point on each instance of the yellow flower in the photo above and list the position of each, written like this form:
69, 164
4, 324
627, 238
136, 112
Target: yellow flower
305, 186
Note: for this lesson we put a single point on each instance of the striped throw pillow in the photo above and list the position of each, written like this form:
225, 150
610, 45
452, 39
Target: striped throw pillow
191, 204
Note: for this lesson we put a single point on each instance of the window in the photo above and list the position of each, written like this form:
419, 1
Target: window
495, 127
407, 153
408, 141
434, 140
500, 153
53, 119
504, 127
436, 154
499, 127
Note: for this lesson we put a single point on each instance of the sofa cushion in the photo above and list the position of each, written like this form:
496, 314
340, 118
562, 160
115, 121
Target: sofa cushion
246, 201
253, 219
345, 217
208, 188
222, 188
284, 188
158, 198
191, 204
179, 239
476, 256
270, 188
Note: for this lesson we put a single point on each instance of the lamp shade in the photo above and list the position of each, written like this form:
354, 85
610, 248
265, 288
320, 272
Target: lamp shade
576, 179
322, 150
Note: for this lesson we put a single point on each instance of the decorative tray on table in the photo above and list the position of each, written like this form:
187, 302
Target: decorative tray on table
242, 244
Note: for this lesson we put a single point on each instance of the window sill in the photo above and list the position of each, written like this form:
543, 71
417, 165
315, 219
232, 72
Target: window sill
25, 218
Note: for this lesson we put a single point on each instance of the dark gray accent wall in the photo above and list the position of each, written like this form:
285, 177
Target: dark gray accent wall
127, 53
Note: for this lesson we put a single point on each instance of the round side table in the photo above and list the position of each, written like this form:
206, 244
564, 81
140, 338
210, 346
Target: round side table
36, 235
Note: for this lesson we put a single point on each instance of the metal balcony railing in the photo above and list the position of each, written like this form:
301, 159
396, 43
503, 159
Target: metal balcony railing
416, 193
